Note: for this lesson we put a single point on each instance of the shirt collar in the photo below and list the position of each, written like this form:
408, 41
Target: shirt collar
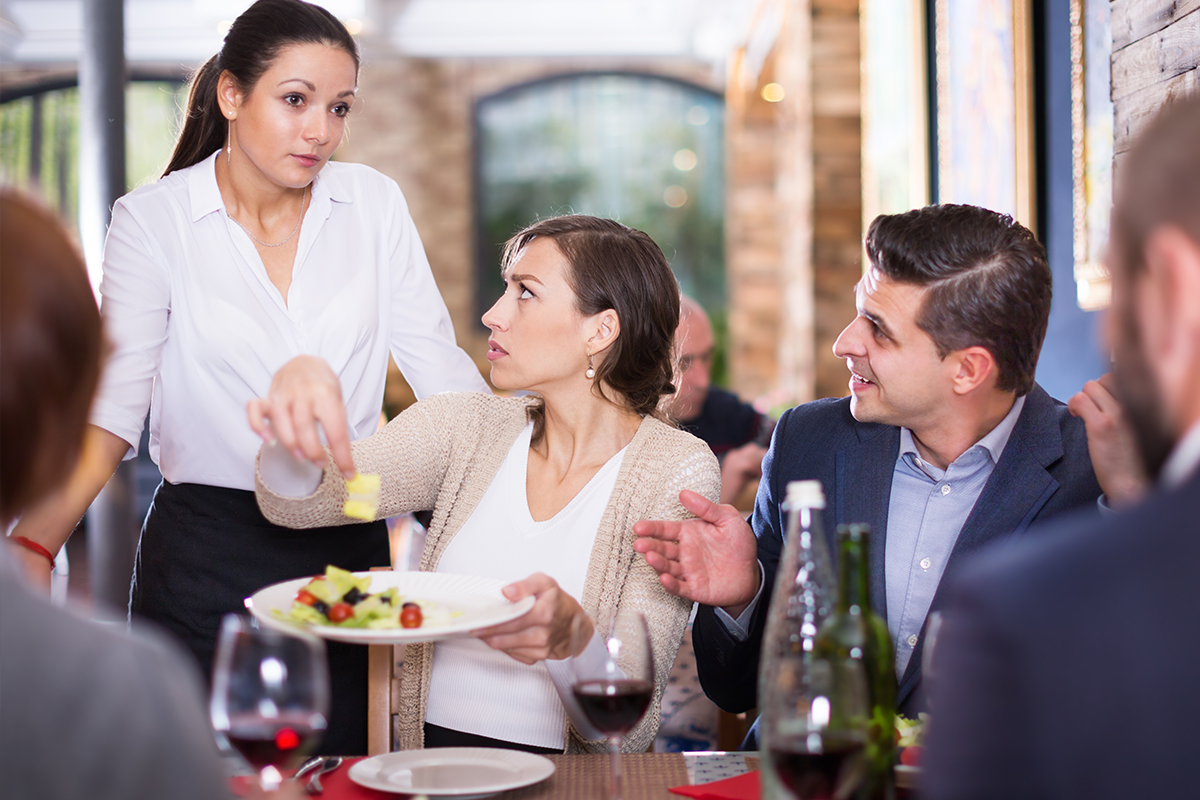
994, 442
1184, 459
203, 193
205, 196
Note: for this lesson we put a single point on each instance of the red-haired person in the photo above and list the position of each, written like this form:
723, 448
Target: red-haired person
85, 711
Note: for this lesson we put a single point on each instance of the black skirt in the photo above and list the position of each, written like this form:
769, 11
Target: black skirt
205, 549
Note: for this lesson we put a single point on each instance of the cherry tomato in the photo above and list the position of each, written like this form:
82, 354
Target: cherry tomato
306, 598
340, 612
911, 756
410, 615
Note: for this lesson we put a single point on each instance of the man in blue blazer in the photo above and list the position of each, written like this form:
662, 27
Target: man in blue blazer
1067, 666
945, 444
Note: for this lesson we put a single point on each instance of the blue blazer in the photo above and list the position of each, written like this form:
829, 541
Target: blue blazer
1044, 470
1070, 662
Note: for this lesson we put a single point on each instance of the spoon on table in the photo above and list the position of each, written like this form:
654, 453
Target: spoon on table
314, 783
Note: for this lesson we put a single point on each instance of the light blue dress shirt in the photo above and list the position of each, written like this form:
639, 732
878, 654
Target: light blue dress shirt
927, 511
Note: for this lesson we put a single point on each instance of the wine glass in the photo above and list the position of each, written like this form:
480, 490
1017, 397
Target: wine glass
614, 689
813, 728
270, 695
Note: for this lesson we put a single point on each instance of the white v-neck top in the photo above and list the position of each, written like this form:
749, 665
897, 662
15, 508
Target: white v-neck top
479, 690
197, 328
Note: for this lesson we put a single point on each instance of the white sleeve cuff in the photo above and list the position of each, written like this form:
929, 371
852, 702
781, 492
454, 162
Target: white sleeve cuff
284, 475
737, 627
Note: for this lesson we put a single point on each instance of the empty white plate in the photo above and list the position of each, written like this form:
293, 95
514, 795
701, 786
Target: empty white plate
465, 772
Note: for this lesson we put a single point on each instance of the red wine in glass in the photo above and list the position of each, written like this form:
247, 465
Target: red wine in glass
819, 766
270, 695
613, 706
277, 743
614, 688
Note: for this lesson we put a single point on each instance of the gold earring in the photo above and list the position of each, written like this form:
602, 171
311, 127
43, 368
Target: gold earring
591, 373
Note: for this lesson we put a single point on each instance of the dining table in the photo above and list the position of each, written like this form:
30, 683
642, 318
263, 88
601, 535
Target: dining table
645, 776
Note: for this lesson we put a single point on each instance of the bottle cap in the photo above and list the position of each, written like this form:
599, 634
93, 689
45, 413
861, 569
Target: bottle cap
805, 494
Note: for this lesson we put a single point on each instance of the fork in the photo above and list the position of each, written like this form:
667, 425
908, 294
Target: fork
314, 783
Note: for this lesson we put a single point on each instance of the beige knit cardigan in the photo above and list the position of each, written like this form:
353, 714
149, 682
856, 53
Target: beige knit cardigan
443, 453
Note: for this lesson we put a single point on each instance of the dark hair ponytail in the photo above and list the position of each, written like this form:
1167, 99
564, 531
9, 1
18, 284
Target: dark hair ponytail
203, 125
252, 44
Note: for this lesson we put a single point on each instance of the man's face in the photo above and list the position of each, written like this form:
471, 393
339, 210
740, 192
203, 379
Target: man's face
695, 342
896, 376
1137, 384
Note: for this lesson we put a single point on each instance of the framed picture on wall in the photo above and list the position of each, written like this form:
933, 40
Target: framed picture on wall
985, 105
1092, 151
895, 108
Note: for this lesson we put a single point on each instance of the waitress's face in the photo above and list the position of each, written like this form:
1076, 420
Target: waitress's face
539, 339
288, 125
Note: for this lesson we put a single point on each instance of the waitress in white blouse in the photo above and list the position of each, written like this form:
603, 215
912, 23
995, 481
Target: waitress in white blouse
250, 251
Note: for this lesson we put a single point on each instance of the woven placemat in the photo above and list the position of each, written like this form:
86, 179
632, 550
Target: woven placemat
646, 776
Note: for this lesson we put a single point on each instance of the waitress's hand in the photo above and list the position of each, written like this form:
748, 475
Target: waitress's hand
556, 626
305, 393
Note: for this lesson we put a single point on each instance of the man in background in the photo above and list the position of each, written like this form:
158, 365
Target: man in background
1067, 667
733, 429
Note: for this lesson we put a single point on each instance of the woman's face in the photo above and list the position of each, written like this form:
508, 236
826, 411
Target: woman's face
288, 125
539, 339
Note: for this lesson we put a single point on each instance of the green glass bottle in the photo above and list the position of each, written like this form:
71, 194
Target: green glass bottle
857, 632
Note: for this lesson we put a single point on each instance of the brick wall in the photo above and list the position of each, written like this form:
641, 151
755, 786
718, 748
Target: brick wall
794, 204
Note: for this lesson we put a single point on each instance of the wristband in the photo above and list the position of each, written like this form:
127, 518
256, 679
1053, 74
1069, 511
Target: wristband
30, 544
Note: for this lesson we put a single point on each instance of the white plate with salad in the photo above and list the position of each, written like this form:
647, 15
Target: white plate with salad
385, 607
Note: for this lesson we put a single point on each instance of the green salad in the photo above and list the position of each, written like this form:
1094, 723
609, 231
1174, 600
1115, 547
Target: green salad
341, 598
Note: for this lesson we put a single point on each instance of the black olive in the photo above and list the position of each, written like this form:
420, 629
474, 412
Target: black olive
353, 596
386, 598
322, 606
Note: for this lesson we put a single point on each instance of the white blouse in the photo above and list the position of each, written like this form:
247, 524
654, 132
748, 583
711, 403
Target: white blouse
479, 690
197, 328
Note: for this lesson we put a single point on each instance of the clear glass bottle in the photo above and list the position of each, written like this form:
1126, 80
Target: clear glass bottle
813, 704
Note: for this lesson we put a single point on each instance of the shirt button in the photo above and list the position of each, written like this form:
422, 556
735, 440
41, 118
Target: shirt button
925, 563
912, 640
945, 488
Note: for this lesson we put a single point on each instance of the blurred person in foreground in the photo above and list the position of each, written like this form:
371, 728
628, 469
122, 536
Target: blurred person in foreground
945, 444
727, 425
85, 711
1069, 662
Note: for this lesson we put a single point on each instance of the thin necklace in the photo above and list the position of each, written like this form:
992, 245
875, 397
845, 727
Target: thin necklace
303, 197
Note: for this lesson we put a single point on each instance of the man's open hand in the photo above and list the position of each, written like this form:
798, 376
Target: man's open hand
710, 560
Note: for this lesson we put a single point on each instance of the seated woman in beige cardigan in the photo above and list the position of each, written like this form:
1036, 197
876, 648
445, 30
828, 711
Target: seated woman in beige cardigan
542, 491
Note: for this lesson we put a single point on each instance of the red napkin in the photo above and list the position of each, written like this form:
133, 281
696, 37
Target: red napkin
741, 787
338, 786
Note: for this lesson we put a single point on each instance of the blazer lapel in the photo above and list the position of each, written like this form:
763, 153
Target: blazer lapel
1012, 497
864, 488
